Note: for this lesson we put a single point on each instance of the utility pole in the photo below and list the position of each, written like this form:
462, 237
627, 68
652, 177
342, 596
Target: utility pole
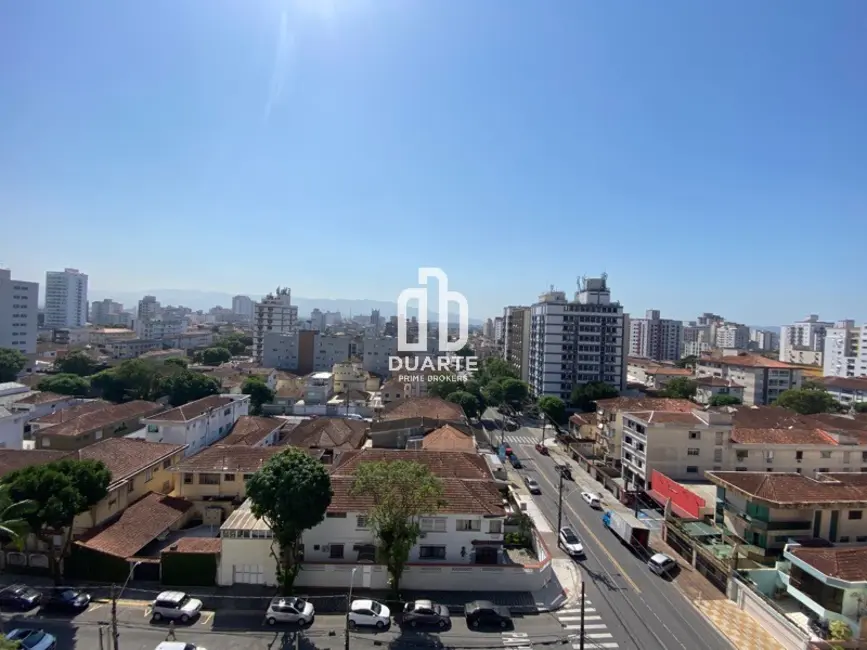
581, 642
114, 634
101, 636
560, 509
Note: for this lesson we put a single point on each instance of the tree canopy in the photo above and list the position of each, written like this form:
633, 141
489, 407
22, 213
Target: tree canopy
402, 491
235, 343
291, 493
515, 392
467, 401
12, 362
493, 369
187, 386
60, 490
176, 361
585, 396
724, 400
215, 356
259, 393
554, 408
133, 379
77, 363
680, 388
687, 361
860, 407
807, 401
65, 384
443, 385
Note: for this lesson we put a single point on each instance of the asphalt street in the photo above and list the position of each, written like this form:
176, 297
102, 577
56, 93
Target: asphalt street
238, 630
640, 610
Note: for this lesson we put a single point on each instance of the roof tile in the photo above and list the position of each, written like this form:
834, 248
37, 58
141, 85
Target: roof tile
103, 417
194, 409
849, 564
427, 407
340, 434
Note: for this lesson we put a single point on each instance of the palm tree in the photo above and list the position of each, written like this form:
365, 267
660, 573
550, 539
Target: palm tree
13, 525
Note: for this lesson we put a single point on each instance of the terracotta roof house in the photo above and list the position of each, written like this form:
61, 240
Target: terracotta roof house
412, 418
108, 422
71, 412
15, 459
763, 379
330, 435
254, 431
448, 438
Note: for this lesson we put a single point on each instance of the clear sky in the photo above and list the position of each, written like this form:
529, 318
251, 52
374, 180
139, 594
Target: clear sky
710, 156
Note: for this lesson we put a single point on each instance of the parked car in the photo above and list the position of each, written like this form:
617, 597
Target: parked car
66, 599
30, 639
426, 612
175, 606
532, 485
290, 610
593, 500
483, 612
369, 613
565, 470
661, 564
542, 449
516, 462
571, 542
20, 597
511, 425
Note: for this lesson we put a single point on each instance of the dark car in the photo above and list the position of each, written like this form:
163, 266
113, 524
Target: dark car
516, 462
565, 470
66, 599
426, 612
20, 597
542, 449
481, 613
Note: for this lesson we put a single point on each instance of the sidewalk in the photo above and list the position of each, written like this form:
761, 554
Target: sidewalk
741, 629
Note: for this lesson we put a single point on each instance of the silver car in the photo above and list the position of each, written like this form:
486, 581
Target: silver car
175, 606
290, 610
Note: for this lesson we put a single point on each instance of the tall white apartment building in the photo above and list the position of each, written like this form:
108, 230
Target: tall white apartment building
65, 299
106, 312
578, 341
732, 335
150, 329
655, 338
516, 339
148, 307
808, 334
242, 306
499, 329
696, 340
275, 313
764, 340
18, 313
845, 352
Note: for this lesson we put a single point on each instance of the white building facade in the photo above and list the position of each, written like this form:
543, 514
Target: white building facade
150, 329
652, 337
18, 313
732, 336
198, 424
242, 306
845, 351
375, 351
275, 313
808, 334
65, 298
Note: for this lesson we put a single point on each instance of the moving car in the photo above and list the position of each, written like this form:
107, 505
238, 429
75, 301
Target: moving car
516, 462
571, 542
565, 470
369, 613
532, 485
661, 564
593, 500
542, 449
20, 597
29, 639
483, 612
66, 599
175, 606
426, 612
290, 610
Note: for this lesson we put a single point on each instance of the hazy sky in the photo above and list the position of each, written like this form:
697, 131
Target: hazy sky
710, 156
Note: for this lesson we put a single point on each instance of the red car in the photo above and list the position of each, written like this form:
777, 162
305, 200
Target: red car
542, 449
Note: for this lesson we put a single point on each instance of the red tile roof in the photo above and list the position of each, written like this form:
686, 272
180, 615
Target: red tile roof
781, 489
251, 429
448, 438
584, 419
193, 409
716, 381
748, 360
423, 407
138, 525
37, 398
126, 457
781, 437
455, 464
14, 459
844, 383
843, 563
228, 458
207, 545
634, 404
341, 434
113, 414
63, 415
667, 417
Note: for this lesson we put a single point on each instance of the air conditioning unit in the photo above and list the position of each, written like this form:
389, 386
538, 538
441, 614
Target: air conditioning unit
422, 535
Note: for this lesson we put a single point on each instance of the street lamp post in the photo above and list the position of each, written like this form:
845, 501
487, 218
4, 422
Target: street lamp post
114, 596
348, 606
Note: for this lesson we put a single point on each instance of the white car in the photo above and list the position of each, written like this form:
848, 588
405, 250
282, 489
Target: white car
593, 500
369, 613
532, 485
571, 542
175, 605
290, 610
661, 564
30, 639
178, 645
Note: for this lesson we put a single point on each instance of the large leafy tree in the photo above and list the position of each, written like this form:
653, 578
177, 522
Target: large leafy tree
515, 392
215, 356
401, 491
61, 490
554, 408
187, 386
495, 368
291, 493
132, 379
13, 525
680, 388
259, 393
493, 393
65, 384
77, 363
467, 401
443, 385
11, 363
808, 401
585, 396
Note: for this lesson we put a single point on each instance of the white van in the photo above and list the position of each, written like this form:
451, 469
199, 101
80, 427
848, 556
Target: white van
592, 500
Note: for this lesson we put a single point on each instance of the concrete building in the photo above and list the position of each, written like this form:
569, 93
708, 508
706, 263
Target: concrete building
732, 336
764, 340
65, 298
516, 339
846, 390
375, 351
499, 329
111, 421
762, 379
574, 342
488, 328
197, 424
275, 313
652, 337
106, 313
317, 320
150, 329
306, 351
808, 334
148, 307
243, 306
697, 340
845, 351
18, 313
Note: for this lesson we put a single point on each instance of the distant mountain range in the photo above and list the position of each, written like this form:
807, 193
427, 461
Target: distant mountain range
205, 300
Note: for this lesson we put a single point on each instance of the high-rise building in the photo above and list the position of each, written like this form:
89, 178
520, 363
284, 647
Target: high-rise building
19, 309
106, 312
488, 328
148, 307
65, 299
578, 341
732, 336
655, 338
516, 339
375, 318
845, 352
242, 306
275, 313
499, 329
802, 336
764, 340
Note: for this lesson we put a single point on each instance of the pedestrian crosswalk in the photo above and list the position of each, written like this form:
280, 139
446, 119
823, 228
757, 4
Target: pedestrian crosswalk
596, 634
521, 440
517, 641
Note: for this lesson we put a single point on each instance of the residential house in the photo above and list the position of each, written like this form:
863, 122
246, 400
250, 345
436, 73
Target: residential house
39, 404
653, 375
15, 459
708, 387
763, 379
846, 390
198, 424
412, 417
351, 375
109, 422
67, 414
255, 431
318, 387
449, 438
394, 390
11, 429
329, 435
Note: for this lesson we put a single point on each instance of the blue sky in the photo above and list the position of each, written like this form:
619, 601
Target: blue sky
708, 156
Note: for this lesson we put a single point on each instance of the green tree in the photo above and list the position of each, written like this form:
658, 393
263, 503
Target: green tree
467, 401
12, 362
860, 407
466, 351
176, 361
554, 408
807, 401
839, 631
187, 386
234, 343
65, 384
724, 400
687, 361
215, 356
133, 379
401, 492
259, 393
493, 393
515, 392
443, 385
495, 368
61, 490
77, 363
585, 396
13, 525
680, 388
473, 387
291, 493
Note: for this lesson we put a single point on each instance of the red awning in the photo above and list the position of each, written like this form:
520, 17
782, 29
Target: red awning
676, 510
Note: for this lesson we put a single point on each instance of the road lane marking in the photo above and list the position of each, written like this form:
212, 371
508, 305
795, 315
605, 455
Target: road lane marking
205, 618
599, 635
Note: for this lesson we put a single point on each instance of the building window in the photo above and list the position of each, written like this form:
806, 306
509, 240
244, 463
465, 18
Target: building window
209, 479
188, 479
432, 524
467, 525
167, 463
495, 526
844, 539
822, 469
799, 456
229, 478
769, 456
130, 486
361, 521
825, 454
335, 551
432, 552
149, 474
718, 438
717, 455
247, 477
691, 469
856, 514
695, 435
227, 411
693, 451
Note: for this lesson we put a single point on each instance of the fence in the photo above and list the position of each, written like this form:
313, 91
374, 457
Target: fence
789, 635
